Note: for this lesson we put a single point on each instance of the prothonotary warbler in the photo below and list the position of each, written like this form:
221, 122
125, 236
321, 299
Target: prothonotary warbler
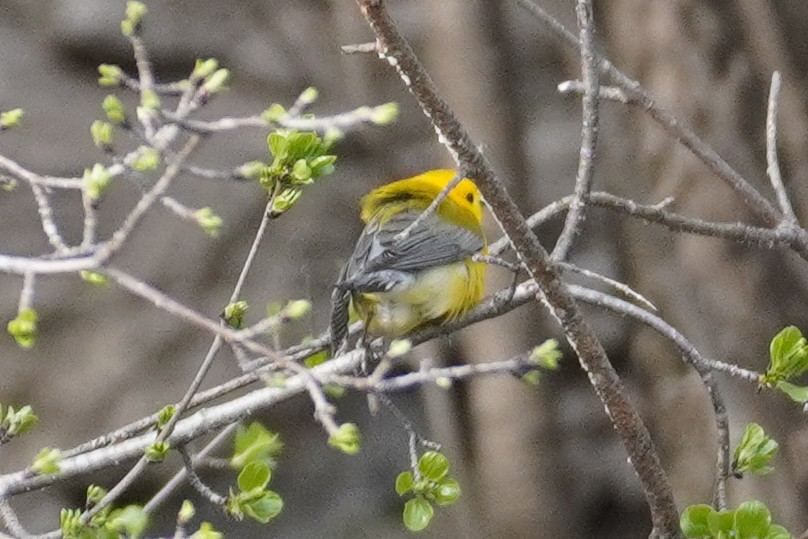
397, 280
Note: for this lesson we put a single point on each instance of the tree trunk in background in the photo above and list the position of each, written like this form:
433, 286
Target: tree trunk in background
711, 63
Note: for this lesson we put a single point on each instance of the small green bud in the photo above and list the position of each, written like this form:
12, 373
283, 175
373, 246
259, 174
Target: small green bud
23, 328
46, 462
187, 512
96, 181
93, 277
309, 95
274, 113
129, 521
157, 451
251, 170
204, 68
114, 110
147, 158
754, 452
70, 523
347, 439
216, 82
234, 313
10, 118
443, 382
164, 415
17, 423
135, 11
399, 347
102, 135
384, 114
285, 200
149, 100
546, 354
8, 184
531, 378
297, 309
209, 221
95, 494
110, 75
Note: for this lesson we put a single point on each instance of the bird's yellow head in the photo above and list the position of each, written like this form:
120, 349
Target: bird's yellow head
463, 206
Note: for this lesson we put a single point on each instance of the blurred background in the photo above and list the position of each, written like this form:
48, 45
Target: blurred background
533, 462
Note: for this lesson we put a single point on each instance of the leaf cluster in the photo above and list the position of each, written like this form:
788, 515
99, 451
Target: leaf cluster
430, 484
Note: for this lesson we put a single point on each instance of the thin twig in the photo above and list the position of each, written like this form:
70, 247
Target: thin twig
196, 482
404, 234
12, 522
27, 292
46, 216
633, 433
163, 494
639, 96
589, 132
617, 285
690, 355
773, 164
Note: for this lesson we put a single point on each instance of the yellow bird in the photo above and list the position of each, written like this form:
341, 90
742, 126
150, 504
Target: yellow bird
399, 279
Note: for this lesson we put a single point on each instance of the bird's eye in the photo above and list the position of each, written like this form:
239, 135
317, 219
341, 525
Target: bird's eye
470, 197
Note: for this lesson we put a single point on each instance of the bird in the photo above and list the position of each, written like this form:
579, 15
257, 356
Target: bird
410, 268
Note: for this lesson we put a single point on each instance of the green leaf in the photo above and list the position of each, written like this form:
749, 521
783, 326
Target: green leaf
131, 519
278, 144
797, 393
720, 522
755, 451
19, 422
446, 492
285, 200
404, 483
417, 514
694, 521
264, 508
777, 532
255, 475
347, 439
788, 353
433, 465
255, 444
752, 520
301, 170
206, 531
